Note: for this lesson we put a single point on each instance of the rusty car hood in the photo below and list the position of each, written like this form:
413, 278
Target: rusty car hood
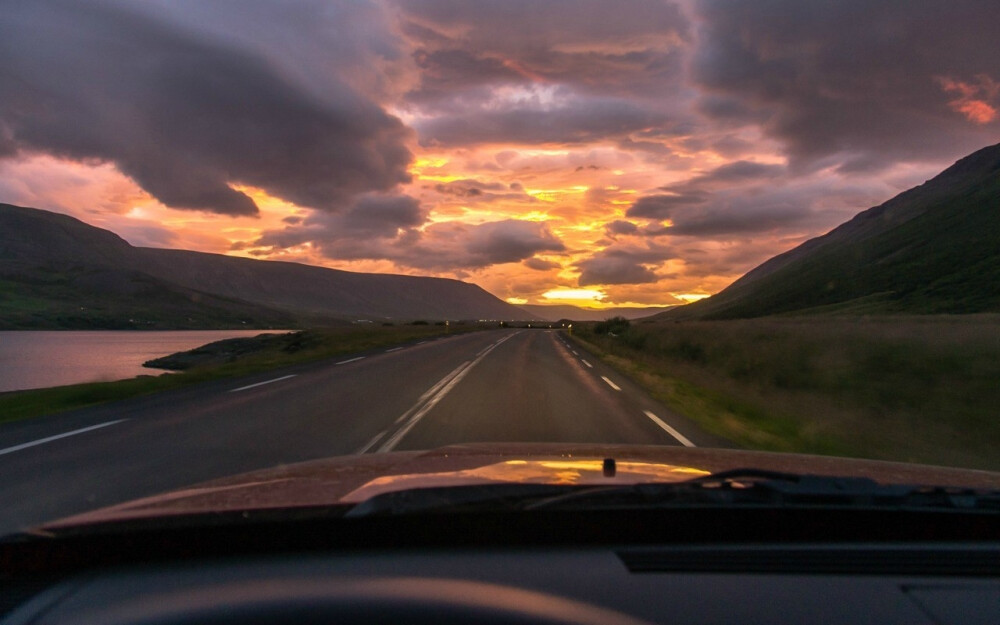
352, 479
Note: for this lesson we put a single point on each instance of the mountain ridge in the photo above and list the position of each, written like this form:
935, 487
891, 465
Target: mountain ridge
934, 248
49, 260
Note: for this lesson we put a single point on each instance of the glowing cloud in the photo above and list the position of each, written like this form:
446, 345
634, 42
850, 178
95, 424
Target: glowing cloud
974, 98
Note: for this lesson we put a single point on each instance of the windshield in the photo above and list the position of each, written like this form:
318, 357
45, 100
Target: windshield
238, 236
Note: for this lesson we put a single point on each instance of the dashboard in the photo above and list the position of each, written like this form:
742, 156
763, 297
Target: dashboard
493, 572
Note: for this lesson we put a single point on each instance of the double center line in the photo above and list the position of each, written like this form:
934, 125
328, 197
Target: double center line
427, 401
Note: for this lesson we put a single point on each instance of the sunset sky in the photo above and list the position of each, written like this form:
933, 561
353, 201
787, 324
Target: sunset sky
597, 153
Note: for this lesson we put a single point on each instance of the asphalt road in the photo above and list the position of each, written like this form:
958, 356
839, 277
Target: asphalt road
494, 386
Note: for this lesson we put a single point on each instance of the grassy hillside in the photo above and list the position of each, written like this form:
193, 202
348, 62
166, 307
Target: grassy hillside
58, 272
932, 249
910, 388
92, 298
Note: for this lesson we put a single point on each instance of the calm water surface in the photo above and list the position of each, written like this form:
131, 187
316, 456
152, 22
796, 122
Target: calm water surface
31, 359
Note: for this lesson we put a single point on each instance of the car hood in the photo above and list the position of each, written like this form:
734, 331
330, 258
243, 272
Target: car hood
352, 479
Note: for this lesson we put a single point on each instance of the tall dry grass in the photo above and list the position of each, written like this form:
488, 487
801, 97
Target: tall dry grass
912, 388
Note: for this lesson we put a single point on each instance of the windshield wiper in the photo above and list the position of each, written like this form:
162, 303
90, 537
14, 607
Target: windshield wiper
772, 488
739, 487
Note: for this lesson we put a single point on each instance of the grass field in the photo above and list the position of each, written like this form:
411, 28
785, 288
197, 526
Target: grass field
274, 351
910, 388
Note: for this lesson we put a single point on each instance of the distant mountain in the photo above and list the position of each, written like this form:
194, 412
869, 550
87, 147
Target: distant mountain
56, 271
932, 249
555, 312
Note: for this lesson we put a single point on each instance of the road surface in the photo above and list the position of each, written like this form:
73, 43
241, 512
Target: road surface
493, 386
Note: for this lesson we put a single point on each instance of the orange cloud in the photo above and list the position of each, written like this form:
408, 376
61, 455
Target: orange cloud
974, 98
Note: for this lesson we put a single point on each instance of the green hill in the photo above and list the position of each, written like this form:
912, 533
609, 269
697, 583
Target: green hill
58, 272
932, 249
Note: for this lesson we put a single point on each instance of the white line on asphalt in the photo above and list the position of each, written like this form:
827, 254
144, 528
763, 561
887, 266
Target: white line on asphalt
456, 377
586, 363
372, 442
344, 362
58, 436
574, 352
671, 431
394, 349
421, 342
243, 388
430, 398
611, 384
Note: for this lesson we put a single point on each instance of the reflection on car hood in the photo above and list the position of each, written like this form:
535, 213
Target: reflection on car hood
352, 479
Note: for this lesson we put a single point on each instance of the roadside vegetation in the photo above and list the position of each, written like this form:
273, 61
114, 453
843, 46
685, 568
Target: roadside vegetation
224, 359
909, 388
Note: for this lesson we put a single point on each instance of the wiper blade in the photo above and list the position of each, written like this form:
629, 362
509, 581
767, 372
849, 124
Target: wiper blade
772, 488
739, 487
498, 496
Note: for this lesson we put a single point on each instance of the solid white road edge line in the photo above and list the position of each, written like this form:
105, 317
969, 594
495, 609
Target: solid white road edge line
611, 384
58, 436
344, 362
669, 430
394, 349
243, 388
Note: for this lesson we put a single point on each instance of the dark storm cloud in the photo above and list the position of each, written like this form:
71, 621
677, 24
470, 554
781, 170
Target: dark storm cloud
622, 266
539, 264
369, 217
741, 210
663, 206
737, 215
560, 71
475, 190
621, 226
444, 72
378, 216
737, 172
578, 121
385, 228
853, 83
738, 198
593, 44
509, 241
182, 114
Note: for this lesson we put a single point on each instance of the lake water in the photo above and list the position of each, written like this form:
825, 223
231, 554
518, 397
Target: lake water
30, 359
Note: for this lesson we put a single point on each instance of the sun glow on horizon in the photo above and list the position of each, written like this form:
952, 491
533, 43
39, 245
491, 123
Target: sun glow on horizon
690, 297
592, 295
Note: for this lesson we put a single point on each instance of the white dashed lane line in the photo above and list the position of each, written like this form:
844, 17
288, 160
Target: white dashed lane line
669, 430
427, 401
249, 386
48, 439
683, 440
611, 384
344, 362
